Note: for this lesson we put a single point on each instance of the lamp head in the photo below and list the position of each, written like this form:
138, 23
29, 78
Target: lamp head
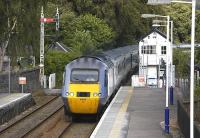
158, 2
148, 15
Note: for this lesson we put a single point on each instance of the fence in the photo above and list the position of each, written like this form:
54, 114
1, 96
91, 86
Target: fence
183, 109
184, 120
32, 77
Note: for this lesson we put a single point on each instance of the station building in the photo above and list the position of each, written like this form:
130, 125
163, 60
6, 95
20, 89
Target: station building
152, 58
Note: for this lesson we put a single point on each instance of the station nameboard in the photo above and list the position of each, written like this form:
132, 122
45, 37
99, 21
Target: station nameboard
22, 80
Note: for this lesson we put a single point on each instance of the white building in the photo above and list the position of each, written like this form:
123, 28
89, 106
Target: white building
152, 52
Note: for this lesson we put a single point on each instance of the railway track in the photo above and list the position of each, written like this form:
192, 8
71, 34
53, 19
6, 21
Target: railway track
57, 127
77, 130
25, 125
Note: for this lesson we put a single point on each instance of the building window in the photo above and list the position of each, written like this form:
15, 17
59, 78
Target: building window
163, 50
150, 49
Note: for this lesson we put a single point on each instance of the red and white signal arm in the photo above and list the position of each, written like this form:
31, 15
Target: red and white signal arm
22, 80
47, 20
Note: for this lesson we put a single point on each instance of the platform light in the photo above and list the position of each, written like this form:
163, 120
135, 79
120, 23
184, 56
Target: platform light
156, 2
167, 69
195, 5
152, 16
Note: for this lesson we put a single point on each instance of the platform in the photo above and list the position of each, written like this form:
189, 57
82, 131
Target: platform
134, 114
13, 104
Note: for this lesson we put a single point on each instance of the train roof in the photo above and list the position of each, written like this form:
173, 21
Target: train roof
115, 53
108, 57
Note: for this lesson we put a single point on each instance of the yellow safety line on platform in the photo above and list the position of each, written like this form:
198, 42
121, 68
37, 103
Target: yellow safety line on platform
116, 128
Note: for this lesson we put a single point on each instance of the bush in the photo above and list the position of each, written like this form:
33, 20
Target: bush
54, 63
197, 91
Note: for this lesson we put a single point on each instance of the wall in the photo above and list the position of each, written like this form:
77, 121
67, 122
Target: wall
32, 78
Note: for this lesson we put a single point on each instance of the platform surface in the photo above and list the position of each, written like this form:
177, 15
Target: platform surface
133, 113
13, 104
6, 99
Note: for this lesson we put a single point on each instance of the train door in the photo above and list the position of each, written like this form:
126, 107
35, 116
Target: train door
106, 84
110, 81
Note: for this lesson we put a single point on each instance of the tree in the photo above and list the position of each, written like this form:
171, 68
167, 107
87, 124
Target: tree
87, 31
8, 24
123, 16
55, 63
19, 28
181, 61
181, 15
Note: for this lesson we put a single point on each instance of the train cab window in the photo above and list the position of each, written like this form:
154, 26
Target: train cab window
84, 75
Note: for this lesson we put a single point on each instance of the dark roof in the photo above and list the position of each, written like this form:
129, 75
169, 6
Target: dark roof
61, 46
154, 30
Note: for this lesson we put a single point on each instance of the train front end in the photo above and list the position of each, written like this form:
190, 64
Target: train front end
82, 91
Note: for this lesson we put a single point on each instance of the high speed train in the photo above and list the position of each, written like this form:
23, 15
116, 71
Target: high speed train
89, 81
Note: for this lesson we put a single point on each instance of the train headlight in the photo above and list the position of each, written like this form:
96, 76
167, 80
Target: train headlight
71, 94
67, 94
95, 94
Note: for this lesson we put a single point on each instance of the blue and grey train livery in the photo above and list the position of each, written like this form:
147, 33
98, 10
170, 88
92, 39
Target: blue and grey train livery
89, 81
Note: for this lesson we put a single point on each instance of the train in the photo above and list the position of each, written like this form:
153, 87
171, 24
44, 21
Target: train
89, 81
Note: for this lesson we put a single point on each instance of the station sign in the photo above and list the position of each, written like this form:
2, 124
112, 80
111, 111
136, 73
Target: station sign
22, 80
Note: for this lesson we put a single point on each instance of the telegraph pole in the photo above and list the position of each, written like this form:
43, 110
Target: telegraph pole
57, 20
42, 48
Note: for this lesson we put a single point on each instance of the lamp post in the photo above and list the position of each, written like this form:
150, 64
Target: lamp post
143, 59
9, 76
171, 57
167, 68
194, 6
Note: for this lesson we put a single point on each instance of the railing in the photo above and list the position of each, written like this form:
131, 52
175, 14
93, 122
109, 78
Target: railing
183, 108
184, 86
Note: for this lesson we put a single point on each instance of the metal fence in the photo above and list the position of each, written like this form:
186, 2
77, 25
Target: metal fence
183, 108
184, 120
184, 86
32, 77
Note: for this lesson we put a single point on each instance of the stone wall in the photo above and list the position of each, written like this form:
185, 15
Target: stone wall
15, 108
32, 79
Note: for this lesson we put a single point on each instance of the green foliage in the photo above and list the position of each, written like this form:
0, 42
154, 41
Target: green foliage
197, 56
181, 61
87, 31
123, 16
24, 39
197, 91
55, 63
181, 15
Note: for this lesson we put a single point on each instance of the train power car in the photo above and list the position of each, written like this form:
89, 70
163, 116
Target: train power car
89, 81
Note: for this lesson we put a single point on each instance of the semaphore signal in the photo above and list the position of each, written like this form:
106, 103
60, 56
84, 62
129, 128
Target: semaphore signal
44, 20
48, 20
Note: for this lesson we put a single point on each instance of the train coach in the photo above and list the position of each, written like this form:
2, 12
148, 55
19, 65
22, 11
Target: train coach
89, 81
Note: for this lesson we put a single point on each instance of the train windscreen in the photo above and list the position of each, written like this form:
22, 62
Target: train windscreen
84, 75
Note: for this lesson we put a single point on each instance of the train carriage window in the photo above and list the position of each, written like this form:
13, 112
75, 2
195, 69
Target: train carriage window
84, 75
